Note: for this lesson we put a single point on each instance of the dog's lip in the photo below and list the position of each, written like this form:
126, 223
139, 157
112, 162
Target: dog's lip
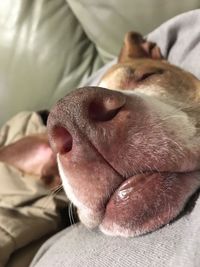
126, 180
125, 188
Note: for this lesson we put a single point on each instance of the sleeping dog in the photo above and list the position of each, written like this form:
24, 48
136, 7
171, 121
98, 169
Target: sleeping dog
127, 150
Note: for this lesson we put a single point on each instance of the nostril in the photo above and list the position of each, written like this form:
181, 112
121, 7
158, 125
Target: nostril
62, 140
107, 109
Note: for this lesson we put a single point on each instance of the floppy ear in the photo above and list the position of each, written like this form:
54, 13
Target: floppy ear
135, 46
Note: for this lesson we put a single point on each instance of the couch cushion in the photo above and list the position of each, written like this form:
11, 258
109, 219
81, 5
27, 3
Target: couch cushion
44, 53
106, 22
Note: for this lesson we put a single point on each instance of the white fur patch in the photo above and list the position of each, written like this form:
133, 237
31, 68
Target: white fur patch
151, 90
106, 85
86, 215
67, 187
103, 84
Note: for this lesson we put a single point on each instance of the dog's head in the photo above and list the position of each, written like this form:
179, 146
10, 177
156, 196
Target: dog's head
129, 157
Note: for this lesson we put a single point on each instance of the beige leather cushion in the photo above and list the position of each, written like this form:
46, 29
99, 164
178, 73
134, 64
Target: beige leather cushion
44, 53
106, 21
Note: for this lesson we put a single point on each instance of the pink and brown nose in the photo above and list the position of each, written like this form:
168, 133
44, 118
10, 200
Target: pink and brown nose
75, 114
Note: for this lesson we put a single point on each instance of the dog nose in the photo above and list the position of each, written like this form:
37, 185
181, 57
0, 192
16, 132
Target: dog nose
78, 112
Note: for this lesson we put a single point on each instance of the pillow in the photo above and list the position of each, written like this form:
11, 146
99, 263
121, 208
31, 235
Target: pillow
179, 41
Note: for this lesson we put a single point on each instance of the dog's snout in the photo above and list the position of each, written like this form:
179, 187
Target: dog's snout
62, 139
106, 109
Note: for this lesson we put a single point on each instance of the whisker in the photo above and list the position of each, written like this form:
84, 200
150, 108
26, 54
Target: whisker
57, 189
70, 213
52, 194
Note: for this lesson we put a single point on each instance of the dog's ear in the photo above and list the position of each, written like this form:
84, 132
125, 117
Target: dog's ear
135, 46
